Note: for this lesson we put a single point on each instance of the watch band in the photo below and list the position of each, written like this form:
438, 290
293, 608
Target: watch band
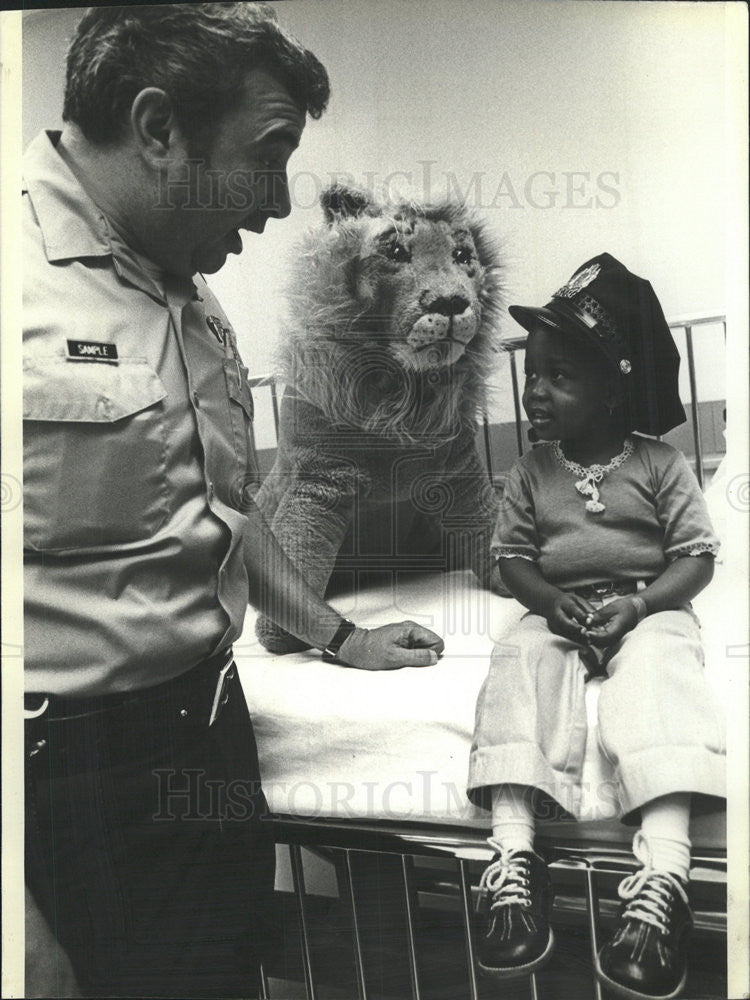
640, 607
342, 633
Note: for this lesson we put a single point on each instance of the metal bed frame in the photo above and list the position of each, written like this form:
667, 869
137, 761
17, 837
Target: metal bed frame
684, 323
592, 864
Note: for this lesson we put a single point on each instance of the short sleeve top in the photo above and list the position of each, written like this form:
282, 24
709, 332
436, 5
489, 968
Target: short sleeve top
654, 512
138, 454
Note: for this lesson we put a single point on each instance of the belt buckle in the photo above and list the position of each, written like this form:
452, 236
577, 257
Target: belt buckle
603, 589
220, 695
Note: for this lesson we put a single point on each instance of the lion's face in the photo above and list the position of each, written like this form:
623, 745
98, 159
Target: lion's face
418, 281
389, 305
410, 278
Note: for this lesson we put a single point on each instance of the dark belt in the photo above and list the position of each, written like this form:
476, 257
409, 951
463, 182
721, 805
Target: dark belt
608, 588
198, 695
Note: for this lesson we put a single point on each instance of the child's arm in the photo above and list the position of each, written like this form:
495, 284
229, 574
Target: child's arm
565, 613
680, 582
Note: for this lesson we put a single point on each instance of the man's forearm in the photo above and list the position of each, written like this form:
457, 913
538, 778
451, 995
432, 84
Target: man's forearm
278, 590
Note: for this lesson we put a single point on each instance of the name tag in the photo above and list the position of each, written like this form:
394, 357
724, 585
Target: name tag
91, 350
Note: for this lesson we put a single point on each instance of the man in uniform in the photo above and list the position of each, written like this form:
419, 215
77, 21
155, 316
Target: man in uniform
148, 858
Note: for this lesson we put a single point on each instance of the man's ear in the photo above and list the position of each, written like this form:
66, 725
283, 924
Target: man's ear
155, 127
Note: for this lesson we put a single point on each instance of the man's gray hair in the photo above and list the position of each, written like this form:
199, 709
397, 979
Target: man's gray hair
199, 54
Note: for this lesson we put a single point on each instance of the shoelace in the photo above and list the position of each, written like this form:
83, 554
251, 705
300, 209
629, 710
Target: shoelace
650, 891
507, 878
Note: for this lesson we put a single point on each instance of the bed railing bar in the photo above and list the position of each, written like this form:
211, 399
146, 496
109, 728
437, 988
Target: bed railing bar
275, 406
264, 994
298, 878
487, 448
695, 319
533, 990
410, 932
516, 401
358, 960
463, 871
426, 838
694, 405
592, 913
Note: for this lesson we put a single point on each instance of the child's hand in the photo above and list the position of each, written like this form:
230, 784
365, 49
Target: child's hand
569, 616
609, 624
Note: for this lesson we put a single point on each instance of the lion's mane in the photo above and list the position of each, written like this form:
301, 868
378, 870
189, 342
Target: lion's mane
336, 352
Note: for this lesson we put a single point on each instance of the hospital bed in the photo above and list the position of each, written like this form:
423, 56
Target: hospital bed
365, 776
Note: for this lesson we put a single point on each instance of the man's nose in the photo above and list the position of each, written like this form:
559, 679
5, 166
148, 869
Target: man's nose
278, 203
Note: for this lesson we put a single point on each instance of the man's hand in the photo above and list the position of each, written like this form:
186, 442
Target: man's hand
568, 616
609, 624
405, 644
277, 589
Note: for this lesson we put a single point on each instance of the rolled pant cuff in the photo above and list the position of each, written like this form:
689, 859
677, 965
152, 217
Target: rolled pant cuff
521, 764
649, 774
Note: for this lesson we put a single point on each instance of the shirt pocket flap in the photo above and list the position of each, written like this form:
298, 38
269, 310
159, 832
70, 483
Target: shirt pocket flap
238, 388
59, 390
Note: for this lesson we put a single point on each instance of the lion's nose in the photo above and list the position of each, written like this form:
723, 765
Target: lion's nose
452, 306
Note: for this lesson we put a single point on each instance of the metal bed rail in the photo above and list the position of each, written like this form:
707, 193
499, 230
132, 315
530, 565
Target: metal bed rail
686, 324
590, 863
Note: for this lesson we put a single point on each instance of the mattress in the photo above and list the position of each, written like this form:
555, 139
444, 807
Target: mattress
335, 742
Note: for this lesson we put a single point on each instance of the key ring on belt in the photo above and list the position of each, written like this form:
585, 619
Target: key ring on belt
34, 713
220, 695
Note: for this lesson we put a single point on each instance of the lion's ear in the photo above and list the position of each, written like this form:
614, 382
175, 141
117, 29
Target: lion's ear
340, 201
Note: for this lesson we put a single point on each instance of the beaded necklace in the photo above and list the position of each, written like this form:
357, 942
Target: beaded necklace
591, 476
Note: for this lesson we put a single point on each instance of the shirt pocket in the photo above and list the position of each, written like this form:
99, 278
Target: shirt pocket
95, 453
241, 414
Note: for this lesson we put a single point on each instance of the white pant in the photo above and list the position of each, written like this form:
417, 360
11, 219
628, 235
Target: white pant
660, 725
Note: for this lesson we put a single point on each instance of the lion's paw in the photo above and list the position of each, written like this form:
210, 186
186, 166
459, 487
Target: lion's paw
273, 638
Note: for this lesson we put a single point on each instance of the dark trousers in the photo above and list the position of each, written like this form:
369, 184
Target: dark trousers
148, 847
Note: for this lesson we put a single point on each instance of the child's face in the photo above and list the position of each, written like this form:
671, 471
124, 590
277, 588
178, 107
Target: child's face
566, 388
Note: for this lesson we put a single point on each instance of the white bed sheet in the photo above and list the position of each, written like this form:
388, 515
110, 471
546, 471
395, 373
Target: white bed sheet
394, 745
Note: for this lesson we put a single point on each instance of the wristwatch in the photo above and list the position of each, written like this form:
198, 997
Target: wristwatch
640, 607
342, 633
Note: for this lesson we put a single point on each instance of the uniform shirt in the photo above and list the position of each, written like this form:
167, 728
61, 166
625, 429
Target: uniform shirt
654, 513
137, 453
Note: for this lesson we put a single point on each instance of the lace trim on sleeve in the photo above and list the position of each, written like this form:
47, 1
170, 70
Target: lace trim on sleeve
695, 549
507, 552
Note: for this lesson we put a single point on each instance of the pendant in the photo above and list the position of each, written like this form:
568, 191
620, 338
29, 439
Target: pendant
594, 506
587, 487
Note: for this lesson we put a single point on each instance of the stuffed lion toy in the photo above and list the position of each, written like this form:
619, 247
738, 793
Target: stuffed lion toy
393, 333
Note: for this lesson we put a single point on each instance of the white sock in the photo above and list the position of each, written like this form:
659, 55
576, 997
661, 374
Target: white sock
665, 823
512, 818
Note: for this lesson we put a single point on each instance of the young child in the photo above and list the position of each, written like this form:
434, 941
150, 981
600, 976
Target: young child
605, 538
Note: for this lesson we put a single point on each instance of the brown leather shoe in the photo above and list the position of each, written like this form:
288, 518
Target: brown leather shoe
516, 898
